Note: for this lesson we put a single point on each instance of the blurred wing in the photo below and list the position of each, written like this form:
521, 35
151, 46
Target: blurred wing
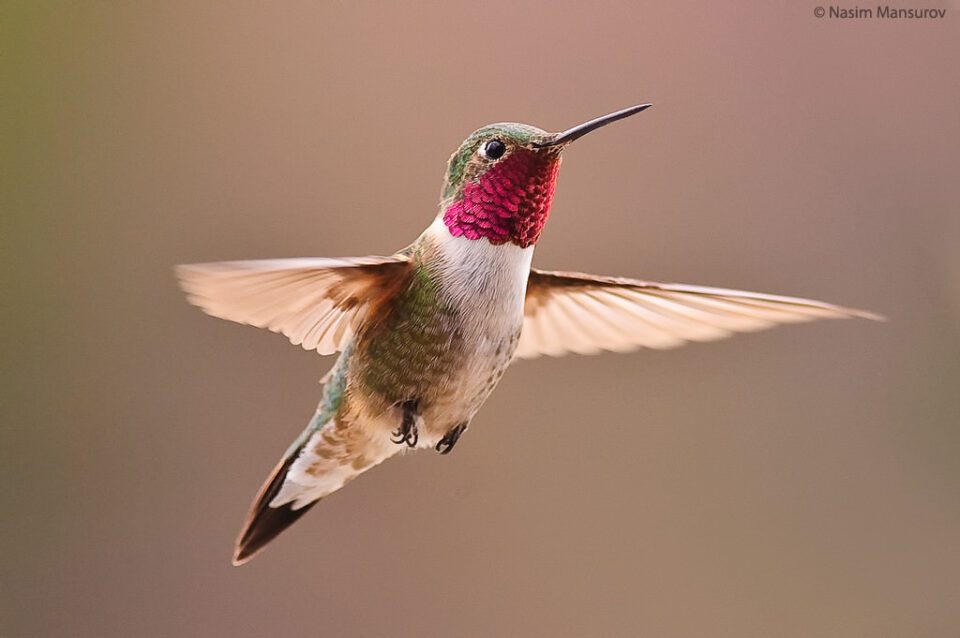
584, 314
317, 303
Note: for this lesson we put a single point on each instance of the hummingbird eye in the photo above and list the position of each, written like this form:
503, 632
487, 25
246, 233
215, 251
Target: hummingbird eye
493, 150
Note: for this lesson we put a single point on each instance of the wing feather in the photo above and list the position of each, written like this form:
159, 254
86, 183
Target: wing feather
575, 312
316, 303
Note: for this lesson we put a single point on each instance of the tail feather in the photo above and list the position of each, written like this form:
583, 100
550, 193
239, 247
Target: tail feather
264, 523
324, 459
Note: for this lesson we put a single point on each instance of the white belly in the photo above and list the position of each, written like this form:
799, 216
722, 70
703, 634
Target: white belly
488, 284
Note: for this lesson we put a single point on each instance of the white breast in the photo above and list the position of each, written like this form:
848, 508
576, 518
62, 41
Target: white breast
489, 281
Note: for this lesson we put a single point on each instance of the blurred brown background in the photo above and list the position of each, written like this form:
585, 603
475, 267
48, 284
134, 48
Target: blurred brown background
800, 482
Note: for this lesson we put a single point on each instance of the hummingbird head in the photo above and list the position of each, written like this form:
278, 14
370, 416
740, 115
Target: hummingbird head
499, 183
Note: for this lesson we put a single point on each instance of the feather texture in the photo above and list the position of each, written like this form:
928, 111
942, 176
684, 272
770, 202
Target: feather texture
584, 314
316, 303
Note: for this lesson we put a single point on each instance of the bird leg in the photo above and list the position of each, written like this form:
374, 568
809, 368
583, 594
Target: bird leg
407, 432
445, 446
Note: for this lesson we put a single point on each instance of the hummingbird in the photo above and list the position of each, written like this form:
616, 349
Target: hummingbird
425, 334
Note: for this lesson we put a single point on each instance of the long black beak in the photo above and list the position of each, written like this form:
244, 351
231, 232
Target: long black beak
577, 132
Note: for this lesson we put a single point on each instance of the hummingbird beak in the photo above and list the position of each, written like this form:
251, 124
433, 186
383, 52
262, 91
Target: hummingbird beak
571, 134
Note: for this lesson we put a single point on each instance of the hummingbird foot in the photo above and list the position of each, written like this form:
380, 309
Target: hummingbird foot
445, 446
407, 432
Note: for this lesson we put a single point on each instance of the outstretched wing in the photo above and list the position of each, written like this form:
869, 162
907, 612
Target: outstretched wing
584, 314
317, 303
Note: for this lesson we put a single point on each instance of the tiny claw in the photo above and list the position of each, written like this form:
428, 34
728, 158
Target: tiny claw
407, 432
410, 438
445, 445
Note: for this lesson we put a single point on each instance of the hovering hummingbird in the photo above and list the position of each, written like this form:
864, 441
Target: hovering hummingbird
424, 335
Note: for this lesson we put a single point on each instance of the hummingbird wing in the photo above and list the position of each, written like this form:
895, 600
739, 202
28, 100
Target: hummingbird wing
584, 314
317, 303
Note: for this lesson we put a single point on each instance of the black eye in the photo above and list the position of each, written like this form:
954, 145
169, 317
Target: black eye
494, 149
